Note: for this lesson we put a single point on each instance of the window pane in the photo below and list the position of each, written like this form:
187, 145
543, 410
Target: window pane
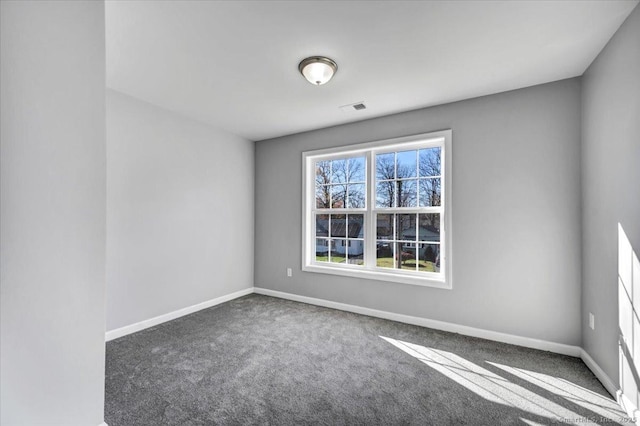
338, 171
429, 163
355, 252
384, 225
356, 169
430, 192
429, 257
385, 194
322, 225
407, 257
384, 254
338, 196
429, 227
322, 196
406, 162
322, 250
323, 172
338, 225
356, 195
356, 224
407, 193
385, 166
406, 227
338, 251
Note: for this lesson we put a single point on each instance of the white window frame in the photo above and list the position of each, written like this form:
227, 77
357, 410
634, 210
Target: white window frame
369, 270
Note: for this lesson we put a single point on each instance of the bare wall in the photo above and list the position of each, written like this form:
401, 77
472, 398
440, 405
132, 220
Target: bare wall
611, 183
179, 212
52, 226
516, 214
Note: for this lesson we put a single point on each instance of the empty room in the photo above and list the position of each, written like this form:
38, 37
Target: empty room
319, 212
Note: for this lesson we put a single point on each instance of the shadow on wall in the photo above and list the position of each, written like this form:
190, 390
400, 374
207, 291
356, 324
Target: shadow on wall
629, 323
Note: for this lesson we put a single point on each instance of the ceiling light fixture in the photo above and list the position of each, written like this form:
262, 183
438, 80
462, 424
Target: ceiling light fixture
317, 70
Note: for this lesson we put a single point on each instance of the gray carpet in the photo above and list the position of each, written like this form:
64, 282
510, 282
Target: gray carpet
263, 360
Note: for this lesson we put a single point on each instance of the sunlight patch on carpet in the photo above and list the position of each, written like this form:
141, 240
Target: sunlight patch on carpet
590, 400
500, 390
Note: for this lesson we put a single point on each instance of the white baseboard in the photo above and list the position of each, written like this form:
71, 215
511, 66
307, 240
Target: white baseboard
132, 328
103, 424
599, 373
629, 407
438, 325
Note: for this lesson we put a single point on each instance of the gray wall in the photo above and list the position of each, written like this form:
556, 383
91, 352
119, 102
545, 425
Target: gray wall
52, 227
516, 214
179, 212
611, 183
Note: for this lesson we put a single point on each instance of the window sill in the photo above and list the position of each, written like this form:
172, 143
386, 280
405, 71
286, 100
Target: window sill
380, 276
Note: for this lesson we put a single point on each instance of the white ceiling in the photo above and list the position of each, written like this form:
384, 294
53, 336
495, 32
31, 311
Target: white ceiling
234, 64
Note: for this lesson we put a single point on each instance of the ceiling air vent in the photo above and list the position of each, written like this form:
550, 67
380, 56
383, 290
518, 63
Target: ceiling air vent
358, 106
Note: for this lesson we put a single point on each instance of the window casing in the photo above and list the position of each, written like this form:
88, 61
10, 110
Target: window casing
380, 210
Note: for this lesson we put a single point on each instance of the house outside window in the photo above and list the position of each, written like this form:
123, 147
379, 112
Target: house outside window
380, 210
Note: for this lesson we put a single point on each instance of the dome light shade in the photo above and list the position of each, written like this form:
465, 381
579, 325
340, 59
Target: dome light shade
317, 70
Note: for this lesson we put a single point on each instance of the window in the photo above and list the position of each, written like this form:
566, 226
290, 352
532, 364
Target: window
380, 210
